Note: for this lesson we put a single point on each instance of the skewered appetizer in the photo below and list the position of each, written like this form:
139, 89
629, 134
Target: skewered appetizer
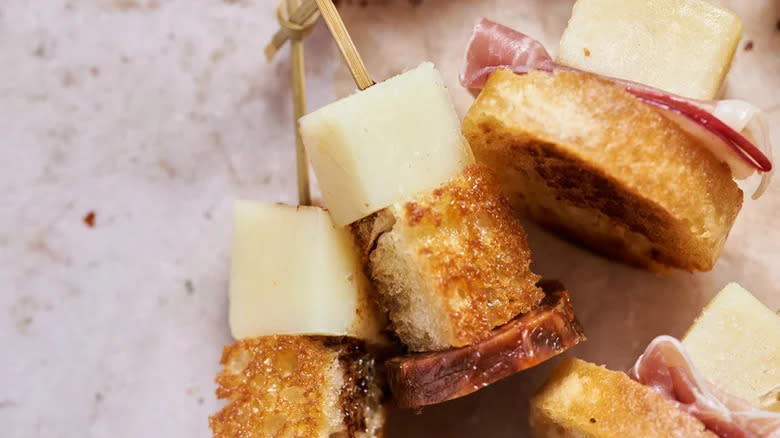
613, 144
450, 263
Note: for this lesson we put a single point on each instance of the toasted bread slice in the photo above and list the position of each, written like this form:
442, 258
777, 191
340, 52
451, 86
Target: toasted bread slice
451, 264
585, 158
298, 386
583, 400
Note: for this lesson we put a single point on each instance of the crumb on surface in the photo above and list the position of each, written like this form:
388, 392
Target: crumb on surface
89, 219
67, 79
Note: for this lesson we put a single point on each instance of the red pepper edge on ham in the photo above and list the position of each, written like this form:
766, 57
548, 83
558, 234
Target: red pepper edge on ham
667, 369
493, 46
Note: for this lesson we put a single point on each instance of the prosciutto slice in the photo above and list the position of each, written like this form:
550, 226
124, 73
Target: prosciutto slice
665, 367
494, 46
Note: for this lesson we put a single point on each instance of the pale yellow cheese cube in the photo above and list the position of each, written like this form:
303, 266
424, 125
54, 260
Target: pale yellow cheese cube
293, 272
681, 46
394, 140
735, 344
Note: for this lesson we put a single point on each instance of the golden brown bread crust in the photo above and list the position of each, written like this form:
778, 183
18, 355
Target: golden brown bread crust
450, 265
583, 157
301, 386
302, 370
583, 400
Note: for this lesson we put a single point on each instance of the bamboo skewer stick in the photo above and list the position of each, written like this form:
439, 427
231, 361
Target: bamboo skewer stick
300, 20
296, 24
299, 110
346, 46
287, 13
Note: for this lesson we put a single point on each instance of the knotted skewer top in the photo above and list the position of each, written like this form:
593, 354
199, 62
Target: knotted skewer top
294, 26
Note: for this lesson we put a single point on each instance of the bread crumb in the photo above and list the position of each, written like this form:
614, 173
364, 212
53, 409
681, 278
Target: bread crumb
89, 219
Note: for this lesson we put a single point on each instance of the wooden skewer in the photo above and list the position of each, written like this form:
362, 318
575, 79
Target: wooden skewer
300, 19
346, 46
304, 17
299, 110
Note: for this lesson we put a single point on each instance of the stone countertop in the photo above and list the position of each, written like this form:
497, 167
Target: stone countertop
130, 126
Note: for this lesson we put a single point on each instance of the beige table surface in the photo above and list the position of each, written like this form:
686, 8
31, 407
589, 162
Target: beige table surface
157, 114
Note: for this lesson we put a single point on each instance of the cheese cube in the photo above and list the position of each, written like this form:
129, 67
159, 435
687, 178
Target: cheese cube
293, 272
735, 344
681, 46
394, 140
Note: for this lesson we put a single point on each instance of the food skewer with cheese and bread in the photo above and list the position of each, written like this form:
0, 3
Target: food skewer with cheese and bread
617, 144
401, 182
449, 261
306, 361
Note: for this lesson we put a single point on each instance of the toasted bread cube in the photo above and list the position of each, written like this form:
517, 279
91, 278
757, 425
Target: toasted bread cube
586, 159
391, 141
450, 264
583, 400
298, 386
294, 272
736, 332
681, 46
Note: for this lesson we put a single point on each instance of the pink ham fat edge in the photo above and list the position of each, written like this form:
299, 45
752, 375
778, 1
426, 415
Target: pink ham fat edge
667, 369
494, 46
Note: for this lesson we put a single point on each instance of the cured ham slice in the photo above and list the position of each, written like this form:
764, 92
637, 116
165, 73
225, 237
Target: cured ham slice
494, 46
665, 367
427, 378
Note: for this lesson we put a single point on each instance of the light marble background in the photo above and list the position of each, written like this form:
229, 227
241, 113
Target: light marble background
157, 114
